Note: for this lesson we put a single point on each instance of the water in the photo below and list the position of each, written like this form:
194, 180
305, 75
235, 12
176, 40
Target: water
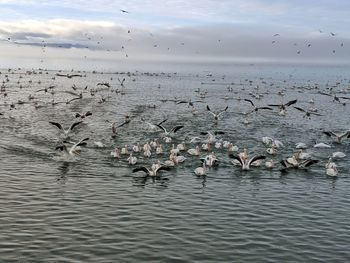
95, 210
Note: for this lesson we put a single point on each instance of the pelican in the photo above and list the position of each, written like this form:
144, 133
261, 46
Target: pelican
331, 168
116, 153
194, 151
210, 160
151, 172
257, 108
244, 161
136, 148
159, 149
65, 132
173, 130
283, 107
83, 116
125, 150
132, 160
321, 145
293, 162
74, 150
307, 112
200, 171
269, 164
338, 137
216, 115
338, 155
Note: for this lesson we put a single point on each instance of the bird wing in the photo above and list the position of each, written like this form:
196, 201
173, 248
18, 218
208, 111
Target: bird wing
181, 101
219, 132
163, 168
88, 113
81, 143
77, 115
290, 102
264, 108
345, 98
74, 125
299, 109
162, 122
236, 158
161, 127
307, 163
222, 111
250, 102
283, 162
323, 93
329, 133
208, 109
141, 168
274, 105
59, 126
176, 128
256, 158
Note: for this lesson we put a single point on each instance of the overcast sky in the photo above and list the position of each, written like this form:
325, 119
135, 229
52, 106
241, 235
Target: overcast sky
210, 30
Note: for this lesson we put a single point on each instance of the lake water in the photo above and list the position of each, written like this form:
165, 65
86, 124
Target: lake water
94, 209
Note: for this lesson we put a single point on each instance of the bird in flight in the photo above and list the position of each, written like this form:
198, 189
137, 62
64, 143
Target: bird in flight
124, 11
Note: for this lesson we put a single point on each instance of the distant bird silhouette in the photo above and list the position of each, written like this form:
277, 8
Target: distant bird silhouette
124, 11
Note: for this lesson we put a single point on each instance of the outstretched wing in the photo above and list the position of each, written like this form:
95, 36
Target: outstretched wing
176, 128
250, 102
88, 113
161, 127
163, 168
299, 109
307, 163
329, 133
59, 126
142, 168
256, 158
74, 125
236, 157
291, 102
223, 111
264, 108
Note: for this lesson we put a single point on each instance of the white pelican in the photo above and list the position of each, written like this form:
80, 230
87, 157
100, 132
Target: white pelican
321, 145
132, 160
338, 137
331, 168
217, 115
136, 148
147, 153
300, 145
171, 132
283, 107
116, 153
269, 164
194, 151
83, 116
293, 162
338, 155
210, 160
181, 147
74, 150
151, 172
159, 149
243, 160
200, 171
125, 150
65, 132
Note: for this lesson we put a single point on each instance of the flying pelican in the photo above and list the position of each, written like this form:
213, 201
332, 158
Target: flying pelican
65, 132
283, 107
173, 130
307, 112
217, 115
83, 116
257, 108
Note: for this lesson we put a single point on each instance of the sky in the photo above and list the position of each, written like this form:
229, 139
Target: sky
176, 30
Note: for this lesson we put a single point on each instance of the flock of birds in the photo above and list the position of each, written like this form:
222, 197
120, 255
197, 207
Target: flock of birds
167, 147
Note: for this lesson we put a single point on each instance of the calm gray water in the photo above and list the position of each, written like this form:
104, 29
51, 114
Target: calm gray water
94, 209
